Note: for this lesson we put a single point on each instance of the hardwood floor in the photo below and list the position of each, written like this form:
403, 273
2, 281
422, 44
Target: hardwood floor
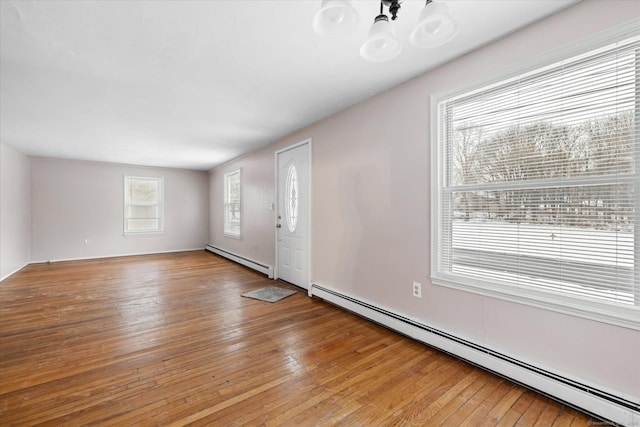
168, 340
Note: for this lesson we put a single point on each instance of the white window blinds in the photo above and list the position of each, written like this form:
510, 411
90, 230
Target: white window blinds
232, 187
538, 181
143, 204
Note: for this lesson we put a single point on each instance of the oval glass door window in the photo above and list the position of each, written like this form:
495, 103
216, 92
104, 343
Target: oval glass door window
292, 199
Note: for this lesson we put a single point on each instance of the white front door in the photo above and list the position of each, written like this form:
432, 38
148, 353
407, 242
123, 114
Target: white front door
293, 171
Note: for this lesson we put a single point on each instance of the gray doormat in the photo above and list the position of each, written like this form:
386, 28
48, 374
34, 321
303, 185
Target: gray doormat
269, 294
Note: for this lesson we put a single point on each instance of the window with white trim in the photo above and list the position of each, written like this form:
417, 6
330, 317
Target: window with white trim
232, 190
143, 204
538, 186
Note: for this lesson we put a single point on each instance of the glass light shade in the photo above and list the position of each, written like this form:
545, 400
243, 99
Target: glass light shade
381, 45
435, 26
336, 18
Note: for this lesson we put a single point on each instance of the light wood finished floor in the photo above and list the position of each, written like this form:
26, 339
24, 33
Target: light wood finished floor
168, 340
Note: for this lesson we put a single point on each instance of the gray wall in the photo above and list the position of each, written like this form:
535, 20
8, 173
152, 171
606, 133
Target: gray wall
73, 201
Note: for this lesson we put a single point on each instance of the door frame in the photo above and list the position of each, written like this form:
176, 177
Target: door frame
308, 143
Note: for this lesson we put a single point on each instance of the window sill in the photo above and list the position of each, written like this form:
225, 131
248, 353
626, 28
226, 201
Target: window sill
627, 317
141, 233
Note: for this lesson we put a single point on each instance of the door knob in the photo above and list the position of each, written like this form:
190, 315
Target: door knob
278, 225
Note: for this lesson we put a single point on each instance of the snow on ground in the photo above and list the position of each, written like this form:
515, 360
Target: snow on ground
569, 260
575, 244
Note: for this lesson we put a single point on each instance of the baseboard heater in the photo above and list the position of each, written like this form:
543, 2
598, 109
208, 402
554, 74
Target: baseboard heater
599, 403
262, 268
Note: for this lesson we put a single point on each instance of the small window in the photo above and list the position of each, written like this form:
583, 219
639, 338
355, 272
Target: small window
143, 204
232, 189
292, 199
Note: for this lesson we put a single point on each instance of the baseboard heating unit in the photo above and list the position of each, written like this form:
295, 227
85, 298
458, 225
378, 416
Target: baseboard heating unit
600, 403
262, 268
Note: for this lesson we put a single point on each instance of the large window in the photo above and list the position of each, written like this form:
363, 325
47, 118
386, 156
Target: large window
232, 187
538, 186
143, 204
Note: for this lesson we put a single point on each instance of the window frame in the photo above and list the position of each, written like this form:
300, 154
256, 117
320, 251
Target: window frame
619, 315
159, 203
227, 228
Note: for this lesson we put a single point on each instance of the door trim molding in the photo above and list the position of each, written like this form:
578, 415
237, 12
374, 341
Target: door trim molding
307, 142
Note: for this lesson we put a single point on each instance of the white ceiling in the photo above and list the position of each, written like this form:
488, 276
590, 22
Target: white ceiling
191, 84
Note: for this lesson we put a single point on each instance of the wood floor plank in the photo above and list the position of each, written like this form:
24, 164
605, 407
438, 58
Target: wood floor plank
167, 340
489, 385
490, 410
441, 395
261, 409
502, 406
519, 407
548, 415
532, 414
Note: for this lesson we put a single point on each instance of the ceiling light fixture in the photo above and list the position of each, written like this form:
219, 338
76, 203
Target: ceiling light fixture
336, 18
435, 27
382, 44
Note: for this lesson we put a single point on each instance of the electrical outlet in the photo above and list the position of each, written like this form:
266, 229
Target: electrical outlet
417, 290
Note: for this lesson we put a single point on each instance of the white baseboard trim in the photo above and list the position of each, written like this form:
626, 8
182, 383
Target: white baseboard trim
585, 397
262, 268
13, 272
115, 255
